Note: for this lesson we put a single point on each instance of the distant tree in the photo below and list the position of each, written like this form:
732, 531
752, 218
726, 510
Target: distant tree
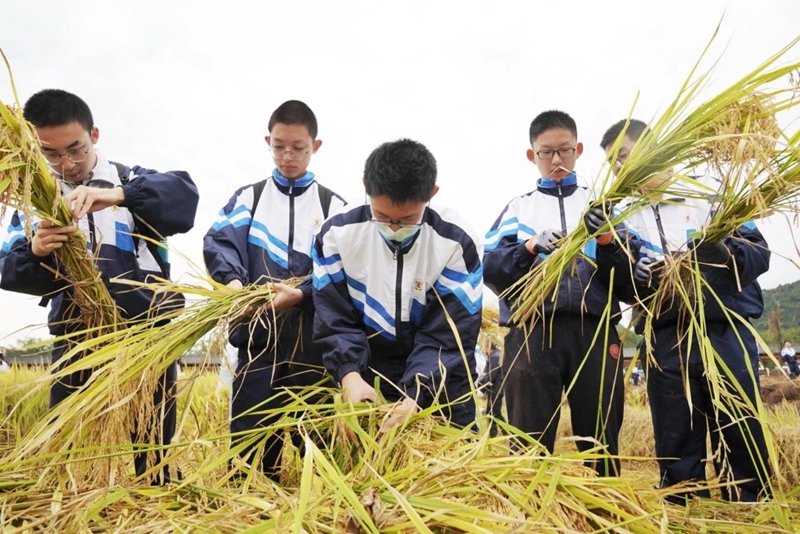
25, 347
774, 321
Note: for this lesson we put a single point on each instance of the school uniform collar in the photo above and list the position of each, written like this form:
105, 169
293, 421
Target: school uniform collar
546, 183
304, 181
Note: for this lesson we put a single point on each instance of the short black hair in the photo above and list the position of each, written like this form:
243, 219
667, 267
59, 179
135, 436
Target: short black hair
635, 129
402, 170
56, 107
548, 120
295, 112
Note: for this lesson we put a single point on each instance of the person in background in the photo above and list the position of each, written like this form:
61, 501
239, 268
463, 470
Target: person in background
790, 359
491, 382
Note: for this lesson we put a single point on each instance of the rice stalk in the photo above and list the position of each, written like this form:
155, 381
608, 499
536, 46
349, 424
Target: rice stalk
693, 136
91, 428
27, 185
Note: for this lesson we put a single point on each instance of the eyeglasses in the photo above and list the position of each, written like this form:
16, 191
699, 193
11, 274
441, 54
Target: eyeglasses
296, 153
76, 155
622, 157
399, 224
562, 153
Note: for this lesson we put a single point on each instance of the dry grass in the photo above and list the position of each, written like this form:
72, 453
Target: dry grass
423, 476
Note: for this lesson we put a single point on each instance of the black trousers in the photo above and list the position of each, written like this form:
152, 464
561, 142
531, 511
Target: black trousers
261, 375
680, 432
558, 354
159, 430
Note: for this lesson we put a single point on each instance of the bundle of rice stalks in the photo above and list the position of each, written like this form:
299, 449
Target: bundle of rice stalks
758, 168
92, 429
491, 331
27, 185
423, 476
743, 148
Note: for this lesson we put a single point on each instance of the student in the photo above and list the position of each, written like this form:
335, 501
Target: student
662, 227
264, 234
559, 351
790, 359
389, 278
491, 380
105, 200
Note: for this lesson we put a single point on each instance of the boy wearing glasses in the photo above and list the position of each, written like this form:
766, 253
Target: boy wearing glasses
264, 235
105, 200
559, 351
389, 278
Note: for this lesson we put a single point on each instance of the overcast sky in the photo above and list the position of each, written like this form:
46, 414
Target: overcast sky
190, 85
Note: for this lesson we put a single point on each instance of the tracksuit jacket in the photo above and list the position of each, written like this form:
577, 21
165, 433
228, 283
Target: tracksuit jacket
668, 226
557, 206
386, 305
167, 202
270, 245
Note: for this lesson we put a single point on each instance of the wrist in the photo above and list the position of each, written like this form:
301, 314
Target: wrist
36, 251
119, 196
351, 379
605, 239
529, 246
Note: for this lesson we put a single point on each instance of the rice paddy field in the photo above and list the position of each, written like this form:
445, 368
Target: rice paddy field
345, 477
70, 469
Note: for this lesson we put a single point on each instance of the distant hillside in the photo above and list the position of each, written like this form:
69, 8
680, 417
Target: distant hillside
788, 295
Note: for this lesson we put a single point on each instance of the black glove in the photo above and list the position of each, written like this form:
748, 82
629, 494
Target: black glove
647, 271
545, 243
709, 255
597, 217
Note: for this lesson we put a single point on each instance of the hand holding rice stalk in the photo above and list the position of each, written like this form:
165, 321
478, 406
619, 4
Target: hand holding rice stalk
27, 185
91, 430
721, 133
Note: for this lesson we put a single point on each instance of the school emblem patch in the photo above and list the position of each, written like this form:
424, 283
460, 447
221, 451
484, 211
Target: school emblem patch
418, 285
613, 350
317, 223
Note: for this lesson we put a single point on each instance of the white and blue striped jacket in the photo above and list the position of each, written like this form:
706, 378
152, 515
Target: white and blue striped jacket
384, 306
551, 206
166, 202
270, 245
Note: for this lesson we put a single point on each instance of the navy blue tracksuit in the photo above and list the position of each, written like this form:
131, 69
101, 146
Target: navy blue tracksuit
676, 372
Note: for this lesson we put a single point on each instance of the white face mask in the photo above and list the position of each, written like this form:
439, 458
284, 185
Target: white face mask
400, 235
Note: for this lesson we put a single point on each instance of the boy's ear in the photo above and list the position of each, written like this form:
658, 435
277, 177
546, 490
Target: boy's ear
531, 155
315, 146
579, 150
266, 138
435, 190
95, 135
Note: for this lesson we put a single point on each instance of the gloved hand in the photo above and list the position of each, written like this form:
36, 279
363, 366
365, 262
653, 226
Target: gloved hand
597, 217
709, 255
647, 271
545, 242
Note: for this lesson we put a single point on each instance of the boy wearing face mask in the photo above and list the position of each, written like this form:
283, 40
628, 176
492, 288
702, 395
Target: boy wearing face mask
388, 278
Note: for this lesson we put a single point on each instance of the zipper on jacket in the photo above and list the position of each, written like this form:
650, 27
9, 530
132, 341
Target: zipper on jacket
398, 291
657, 215
291, 228
561, 208
92, 235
